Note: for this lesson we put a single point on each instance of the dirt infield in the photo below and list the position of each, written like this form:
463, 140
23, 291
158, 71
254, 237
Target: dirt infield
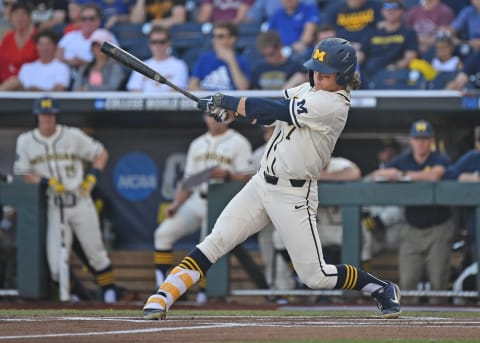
207, 327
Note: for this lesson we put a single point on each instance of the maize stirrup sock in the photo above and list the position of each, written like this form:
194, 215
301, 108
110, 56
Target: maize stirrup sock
180, 279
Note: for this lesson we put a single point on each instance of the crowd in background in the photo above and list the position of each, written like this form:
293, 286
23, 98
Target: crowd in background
409, 44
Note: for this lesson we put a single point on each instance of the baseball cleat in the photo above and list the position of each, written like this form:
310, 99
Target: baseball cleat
155, 307
388, 300
154, 314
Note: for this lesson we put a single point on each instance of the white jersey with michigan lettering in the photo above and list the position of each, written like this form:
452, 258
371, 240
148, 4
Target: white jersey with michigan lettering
230, 151
301, 150
62, 155
285, 191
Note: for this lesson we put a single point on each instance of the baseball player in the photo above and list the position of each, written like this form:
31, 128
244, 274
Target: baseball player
308, 123
54, 155
219, 154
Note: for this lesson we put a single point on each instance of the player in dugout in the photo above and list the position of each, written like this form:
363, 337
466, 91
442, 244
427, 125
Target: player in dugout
284, 191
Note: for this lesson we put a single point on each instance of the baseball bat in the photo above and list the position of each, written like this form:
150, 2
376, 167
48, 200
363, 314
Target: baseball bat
136, 64
64, 268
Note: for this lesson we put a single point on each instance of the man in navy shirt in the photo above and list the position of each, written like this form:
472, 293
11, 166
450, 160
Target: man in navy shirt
427, 236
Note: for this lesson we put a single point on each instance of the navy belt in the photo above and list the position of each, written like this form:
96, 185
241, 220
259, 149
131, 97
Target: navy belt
275, 180
203, 195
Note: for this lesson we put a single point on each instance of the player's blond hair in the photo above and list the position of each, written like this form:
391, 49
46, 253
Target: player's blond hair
354, 83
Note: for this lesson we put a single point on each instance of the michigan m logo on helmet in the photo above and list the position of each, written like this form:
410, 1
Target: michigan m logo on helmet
333, 55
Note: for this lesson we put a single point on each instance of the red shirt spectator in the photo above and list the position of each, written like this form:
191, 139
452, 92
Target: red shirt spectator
17, 46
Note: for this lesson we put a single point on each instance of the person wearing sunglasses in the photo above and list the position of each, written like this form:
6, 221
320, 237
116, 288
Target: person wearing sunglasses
172, 68
221, 68
102, 73
75, 47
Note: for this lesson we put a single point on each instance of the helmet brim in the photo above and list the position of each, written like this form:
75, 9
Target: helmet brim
319, 67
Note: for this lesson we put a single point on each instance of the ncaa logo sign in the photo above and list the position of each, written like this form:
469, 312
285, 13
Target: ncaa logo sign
135, 176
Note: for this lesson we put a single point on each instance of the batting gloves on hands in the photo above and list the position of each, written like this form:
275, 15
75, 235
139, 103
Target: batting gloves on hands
209, 103
87, 184
56, 186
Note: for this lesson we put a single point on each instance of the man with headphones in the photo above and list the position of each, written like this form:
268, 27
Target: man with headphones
284, 191
54, 155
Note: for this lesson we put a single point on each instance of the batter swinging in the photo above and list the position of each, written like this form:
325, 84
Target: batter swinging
308, 123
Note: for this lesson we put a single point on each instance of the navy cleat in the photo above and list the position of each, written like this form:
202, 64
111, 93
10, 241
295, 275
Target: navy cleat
155, 307
388, 300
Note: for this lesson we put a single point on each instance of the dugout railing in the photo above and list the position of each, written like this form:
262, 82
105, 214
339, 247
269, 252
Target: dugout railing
351, 197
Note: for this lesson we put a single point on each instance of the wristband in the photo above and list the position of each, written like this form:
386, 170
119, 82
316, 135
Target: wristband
230, 102
94, 171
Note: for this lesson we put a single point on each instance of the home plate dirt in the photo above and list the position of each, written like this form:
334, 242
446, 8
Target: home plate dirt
207, 328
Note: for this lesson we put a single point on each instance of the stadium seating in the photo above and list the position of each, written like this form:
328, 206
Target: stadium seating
131, 38
397, 79
441, 80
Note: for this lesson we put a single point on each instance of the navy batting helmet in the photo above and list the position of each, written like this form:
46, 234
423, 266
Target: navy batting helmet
333, 55
45, 105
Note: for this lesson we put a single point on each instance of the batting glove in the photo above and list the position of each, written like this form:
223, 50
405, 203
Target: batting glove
87, 184
209, 103
56, 186
222, 115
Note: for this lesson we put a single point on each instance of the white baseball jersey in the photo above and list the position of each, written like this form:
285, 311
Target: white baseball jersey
301, 150
295, 155
230, 151
62, 156
173, 69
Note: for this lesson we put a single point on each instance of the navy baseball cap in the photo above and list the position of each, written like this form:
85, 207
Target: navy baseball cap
45, 105
421, 128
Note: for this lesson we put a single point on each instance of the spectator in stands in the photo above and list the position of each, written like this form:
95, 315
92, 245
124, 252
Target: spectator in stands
17, 46
74, 16
428, 234
469, 77
426, 19
353, 19
172, 68
457, 5
5, 24
74, 48
102, 73
295, 23
261, 10
221, 68
467, 24
391, 47
445, 59
48, 13
324, 31
215, 11
159, 12
47, 73
275, 71
113, 12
